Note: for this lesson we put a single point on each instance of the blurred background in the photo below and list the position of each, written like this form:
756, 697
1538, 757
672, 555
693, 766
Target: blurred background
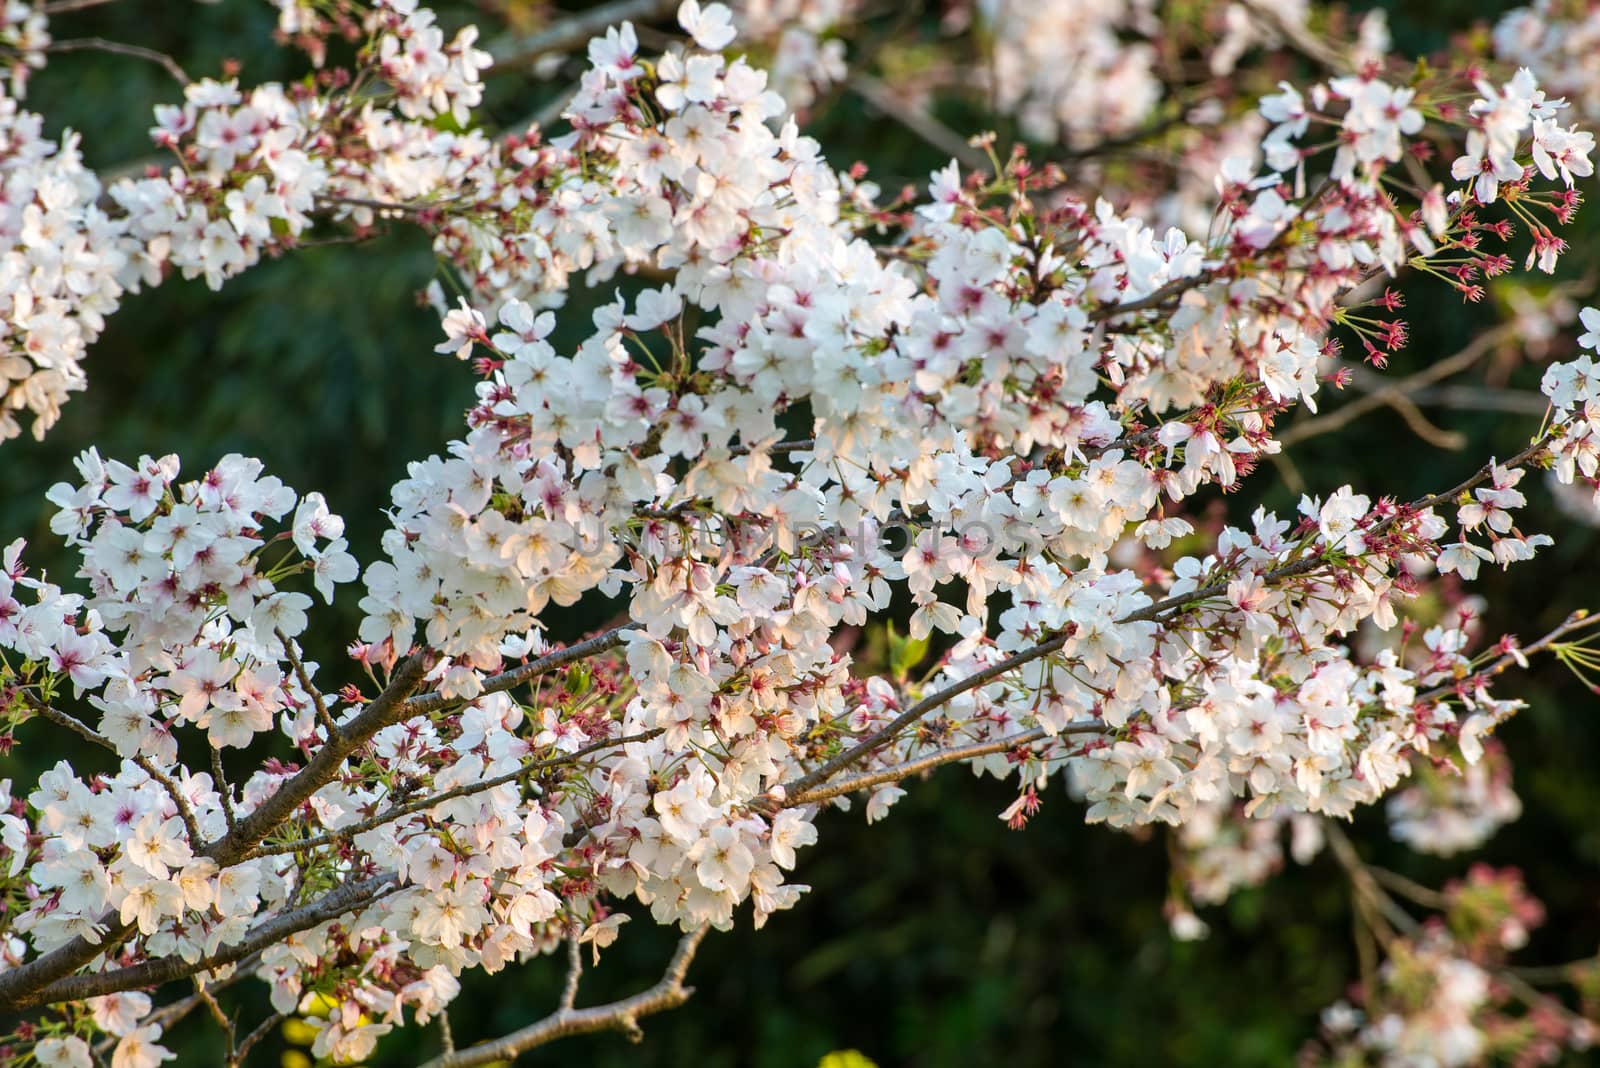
937, 937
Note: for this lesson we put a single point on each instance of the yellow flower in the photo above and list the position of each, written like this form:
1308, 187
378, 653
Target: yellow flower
846, 1058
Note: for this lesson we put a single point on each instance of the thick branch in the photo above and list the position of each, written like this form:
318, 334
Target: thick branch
20, 987
388, 708
270, 932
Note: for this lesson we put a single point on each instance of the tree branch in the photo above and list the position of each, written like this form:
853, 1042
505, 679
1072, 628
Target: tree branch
304, 679
569, 989
100, 44
573, 30
1298, 37
21, 986
261, 1031
425, 704
934, 760
1149, 613
61, 7
173, 1011
883, 735
1579, 620
1398, 389
72, 723
26, 985
622, 1015
422, 804
919, 122
224, 791
331, 905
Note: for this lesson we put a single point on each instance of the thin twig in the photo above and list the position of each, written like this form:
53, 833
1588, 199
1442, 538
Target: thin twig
919, 122
422, 804
572, 30
1132, 139
1150, 613
799, 445
197, 841
1428, 899
934, 760
1482, 475
1554, 973
1179, 286
1175, 288
210, 1002
223, 1023
1399, 389
171, 1013
224, 791
1364, 883
261, 1031
390, 206
1478, 399
100, 44
1365, 880
569, 989
885, 734
1579, 620
447, 1037
304, 679
61, 7
428, 703
72, 723
1299, 38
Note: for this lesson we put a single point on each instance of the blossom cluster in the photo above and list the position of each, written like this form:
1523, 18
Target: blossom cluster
1559, 40
24, 36
807, 53
1443, 995
252, 169
1456, 809
64, 266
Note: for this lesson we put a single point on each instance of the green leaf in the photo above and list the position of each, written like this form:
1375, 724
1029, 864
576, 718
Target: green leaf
905, 653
